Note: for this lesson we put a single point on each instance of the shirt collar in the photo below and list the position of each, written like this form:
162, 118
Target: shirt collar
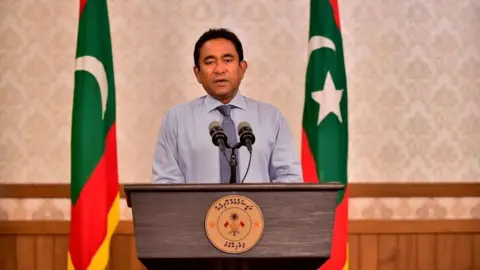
238, 101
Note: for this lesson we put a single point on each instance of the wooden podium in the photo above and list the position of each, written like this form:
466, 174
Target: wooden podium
233, 226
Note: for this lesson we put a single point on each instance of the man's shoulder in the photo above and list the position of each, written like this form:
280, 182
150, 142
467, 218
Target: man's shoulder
182, 110
262, 107
186, 107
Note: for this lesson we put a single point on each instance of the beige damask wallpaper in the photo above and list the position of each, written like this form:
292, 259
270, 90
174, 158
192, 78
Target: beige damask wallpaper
412, 71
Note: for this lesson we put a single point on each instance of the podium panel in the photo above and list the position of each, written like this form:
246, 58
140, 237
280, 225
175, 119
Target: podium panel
233, 226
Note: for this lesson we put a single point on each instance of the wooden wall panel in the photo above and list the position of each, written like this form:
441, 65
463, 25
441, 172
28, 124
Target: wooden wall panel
390, 250
8, 252
476, 251
425, 251
26, 257
60, 245
407, 251
374, 244
354, 251
414, 251
123, 248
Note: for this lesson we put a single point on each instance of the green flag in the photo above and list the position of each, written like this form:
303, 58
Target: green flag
325, 117
94, 177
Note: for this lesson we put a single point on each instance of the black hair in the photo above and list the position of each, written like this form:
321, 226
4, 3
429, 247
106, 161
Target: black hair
214, 34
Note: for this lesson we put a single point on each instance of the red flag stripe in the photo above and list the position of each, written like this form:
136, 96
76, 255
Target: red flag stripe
82, 5
338, 257
336, 15
101, 257
88, 226
308, 162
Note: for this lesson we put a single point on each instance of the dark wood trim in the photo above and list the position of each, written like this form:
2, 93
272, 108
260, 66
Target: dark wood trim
355, 227
356, 190
55, 227
406, 190
44, 191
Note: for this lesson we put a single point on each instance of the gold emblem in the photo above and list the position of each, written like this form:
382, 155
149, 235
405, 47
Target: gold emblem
234, 224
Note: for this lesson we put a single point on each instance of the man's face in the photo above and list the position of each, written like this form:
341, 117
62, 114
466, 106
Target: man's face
220, 69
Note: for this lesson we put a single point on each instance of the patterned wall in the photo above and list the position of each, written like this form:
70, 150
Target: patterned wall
412, 71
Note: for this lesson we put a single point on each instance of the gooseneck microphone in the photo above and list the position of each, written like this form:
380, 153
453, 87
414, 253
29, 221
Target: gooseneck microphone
247, 139
246, 135
219, 137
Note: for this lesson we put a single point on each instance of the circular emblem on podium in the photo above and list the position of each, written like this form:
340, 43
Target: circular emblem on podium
234, 224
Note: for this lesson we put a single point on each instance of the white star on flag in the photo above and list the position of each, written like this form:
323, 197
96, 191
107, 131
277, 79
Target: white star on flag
328, 99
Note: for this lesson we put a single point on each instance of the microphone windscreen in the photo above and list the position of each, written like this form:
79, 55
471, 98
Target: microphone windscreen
213, 125
243, 125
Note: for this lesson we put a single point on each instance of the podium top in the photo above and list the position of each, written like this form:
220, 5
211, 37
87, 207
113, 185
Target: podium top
249, 187
331, 186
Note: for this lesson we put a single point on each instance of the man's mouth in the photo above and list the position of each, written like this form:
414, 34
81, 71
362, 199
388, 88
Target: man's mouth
221, 81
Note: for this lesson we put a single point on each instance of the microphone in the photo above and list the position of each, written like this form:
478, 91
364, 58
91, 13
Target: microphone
247, 139
219, 137
246, 135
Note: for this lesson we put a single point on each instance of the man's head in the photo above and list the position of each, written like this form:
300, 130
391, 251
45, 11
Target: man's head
219, 64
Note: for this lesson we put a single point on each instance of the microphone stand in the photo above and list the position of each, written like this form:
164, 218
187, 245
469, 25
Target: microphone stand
234, 163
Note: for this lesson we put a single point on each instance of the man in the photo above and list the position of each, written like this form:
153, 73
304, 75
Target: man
185, 152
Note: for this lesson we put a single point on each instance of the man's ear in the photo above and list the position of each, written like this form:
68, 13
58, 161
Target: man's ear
243, 67
196, 71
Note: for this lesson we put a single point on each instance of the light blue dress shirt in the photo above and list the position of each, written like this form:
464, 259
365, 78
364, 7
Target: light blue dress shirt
184, 151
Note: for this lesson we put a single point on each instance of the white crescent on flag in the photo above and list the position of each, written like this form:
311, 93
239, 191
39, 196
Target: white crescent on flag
93, 66
318, 42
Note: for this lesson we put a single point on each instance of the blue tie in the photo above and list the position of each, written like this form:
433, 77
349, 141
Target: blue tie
229, 128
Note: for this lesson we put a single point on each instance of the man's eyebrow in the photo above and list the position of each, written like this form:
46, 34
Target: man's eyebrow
228, 55
210, 56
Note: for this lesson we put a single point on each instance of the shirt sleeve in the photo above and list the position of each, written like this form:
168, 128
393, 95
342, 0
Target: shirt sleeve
285, 165
165, 161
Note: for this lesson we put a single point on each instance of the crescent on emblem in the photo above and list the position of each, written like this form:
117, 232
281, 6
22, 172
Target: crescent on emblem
93, 66
318, 42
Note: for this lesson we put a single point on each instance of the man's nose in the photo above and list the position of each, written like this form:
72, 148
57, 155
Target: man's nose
219, 68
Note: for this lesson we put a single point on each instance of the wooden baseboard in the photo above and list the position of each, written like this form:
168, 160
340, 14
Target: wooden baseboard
356, 190
372, 245
414, 226
355, 227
